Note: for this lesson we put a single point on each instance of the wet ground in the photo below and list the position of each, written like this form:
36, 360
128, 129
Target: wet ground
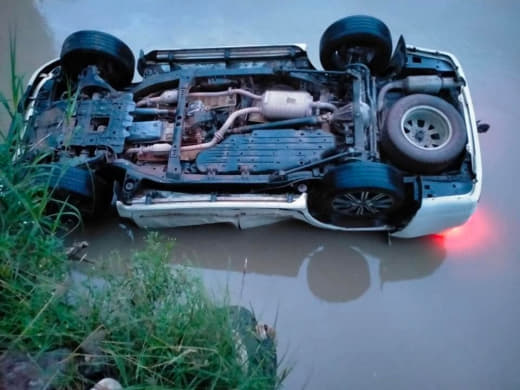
351, 311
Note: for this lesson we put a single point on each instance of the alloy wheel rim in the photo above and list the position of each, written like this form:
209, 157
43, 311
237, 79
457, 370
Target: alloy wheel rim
362, 203
426, 127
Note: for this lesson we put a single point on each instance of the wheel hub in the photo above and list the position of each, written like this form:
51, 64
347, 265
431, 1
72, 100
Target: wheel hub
362, 203
426, 127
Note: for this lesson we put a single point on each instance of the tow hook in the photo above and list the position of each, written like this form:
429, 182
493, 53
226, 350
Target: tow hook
482, 127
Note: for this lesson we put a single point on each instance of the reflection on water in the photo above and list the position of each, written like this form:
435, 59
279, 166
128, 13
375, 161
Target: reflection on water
336, 277
333, 265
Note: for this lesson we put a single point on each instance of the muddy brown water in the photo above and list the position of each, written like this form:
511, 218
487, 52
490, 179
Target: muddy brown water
350, 311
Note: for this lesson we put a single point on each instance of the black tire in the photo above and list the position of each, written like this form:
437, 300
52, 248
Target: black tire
364, 190
428, 145
82, 188
73, 180
112, 56
356, 31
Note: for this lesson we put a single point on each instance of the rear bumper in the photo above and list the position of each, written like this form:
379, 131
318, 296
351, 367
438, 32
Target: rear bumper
439, 213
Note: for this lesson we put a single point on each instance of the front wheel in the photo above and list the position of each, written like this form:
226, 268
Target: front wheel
356, 38
113, 57
82, 188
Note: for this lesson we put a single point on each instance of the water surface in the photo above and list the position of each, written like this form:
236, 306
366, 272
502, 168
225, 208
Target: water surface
351, 311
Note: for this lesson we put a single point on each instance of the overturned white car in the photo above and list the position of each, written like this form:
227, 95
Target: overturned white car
254, 135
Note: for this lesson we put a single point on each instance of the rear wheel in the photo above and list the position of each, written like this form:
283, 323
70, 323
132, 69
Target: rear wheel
110, 55
362, 203
361, 191
357, 38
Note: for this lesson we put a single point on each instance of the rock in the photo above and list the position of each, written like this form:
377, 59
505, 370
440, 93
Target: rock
20, 371
107, 384
74, 251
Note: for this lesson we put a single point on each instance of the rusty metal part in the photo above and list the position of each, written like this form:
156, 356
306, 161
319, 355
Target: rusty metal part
190, 155
151, 152
230, 91
167, 97
193, 136
274, 104
213, 102
158, 150
219, 135
171, 96
167, 135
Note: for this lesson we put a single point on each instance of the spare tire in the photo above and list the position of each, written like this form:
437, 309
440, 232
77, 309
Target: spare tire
423, 134
356, 32
113, 58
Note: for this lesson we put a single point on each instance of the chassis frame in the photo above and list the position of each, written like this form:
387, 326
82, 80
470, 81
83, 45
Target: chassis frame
435, 208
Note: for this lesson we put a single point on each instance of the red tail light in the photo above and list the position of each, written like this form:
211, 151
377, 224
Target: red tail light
478, 232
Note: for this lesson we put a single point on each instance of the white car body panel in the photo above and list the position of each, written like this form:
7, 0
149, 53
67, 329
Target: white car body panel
243, 211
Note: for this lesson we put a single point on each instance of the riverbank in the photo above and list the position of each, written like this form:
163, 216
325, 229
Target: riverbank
152, 326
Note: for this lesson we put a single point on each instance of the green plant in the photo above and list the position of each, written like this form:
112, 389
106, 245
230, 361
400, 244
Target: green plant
32, 261
162, 330
16, 82
152, 327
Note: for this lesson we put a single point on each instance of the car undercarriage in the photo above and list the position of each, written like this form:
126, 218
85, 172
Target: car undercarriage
223, 134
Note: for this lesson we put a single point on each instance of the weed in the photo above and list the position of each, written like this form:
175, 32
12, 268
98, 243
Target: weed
16, 82
152, 327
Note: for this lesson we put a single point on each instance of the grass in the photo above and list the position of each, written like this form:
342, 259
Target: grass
163, 330
16, 82
153, 327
